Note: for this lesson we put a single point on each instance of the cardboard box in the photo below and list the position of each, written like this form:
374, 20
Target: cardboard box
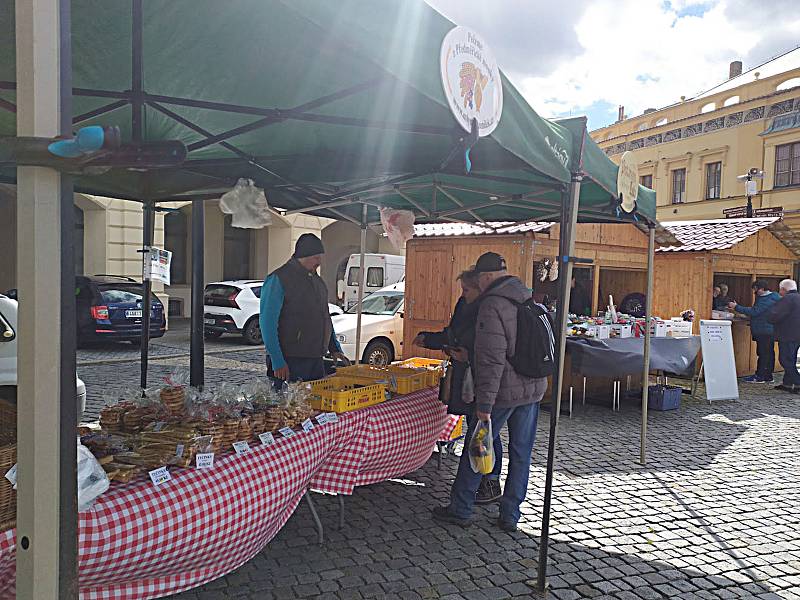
680, 328
622, 331
658, 329
603, 332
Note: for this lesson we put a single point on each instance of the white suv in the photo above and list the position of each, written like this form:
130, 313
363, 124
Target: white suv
233, 307
8, 355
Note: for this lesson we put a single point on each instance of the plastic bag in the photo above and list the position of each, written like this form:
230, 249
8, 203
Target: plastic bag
481, 448
247, 204
468, 388
92, 479
398, 225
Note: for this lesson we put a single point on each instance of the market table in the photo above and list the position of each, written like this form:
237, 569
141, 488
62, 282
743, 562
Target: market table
142, 541
625, 356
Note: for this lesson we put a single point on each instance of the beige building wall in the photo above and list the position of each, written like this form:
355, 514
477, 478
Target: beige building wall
694, 133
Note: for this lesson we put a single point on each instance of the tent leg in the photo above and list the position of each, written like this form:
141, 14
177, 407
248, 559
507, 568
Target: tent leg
47, 540
651, 244
569, 219
147, 242
362, 274
196, 341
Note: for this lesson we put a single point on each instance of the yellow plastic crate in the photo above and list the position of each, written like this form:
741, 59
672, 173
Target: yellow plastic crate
399, 379
341, 394
433, 368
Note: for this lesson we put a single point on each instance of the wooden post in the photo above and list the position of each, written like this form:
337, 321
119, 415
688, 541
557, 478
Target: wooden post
595, 288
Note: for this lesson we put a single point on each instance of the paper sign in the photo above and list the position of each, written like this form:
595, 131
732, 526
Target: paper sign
322, 418
332, 417
286, 431
267, 438
159, 475
308, 425
179, 451
204, 461
11, 475
156, 265
241, 447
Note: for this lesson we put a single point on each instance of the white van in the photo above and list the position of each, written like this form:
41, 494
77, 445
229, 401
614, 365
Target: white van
382, 270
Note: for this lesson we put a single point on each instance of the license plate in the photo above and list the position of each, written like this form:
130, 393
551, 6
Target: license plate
209, 321
133, 314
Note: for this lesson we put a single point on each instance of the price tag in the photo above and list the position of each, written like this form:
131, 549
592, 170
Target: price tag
241, 447
322, 418
159, 475
332, 417
286, 432
204, 461
11, 475
308, 425
179, 451
267, 438
158, 426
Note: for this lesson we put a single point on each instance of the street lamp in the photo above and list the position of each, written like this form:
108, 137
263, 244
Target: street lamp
750, 186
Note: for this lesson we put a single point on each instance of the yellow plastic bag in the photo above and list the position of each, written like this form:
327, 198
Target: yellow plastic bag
481, 448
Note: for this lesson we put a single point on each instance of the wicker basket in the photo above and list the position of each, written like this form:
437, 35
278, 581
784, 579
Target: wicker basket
8, 458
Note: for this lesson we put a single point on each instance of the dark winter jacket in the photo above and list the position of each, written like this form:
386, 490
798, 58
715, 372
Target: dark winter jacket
785, 316
497, 384
759, 325
460, 332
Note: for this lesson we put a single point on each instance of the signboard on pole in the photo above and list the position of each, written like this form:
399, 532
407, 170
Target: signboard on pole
471, 80
156, 265
740, 212
628, 181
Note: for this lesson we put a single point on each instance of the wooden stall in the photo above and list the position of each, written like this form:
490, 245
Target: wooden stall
731, 251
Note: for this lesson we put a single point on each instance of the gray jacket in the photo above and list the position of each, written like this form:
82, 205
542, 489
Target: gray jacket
497, 383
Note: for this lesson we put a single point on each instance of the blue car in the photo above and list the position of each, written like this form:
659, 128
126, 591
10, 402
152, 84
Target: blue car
110, 308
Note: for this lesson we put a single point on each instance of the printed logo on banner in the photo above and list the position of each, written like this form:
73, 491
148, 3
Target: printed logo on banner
471, 80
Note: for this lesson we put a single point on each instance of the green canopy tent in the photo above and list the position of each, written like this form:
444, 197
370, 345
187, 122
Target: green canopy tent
335, 109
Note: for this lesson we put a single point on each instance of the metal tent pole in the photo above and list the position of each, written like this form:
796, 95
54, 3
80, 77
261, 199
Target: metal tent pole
651, 246
569, 219
147, 241
362, 273
47, 540
196, 359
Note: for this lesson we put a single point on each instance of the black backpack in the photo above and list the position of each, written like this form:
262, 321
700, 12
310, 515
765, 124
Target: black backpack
534, 355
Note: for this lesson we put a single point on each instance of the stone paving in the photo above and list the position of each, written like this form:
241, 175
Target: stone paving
715, 513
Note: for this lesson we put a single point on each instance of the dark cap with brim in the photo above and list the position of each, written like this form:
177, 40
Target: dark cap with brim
490, 262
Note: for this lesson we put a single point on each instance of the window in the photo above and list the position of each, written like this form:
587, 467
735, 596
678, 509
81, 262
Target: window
713, 180
662, 121
678, 186
708, 107
731, 101
256, 291
175, 236
646, 181
236, 251
787, 165
374, 276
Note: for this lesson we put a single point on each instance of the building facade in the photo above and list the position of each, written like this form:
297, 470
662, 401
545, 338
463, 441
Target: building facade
692, 152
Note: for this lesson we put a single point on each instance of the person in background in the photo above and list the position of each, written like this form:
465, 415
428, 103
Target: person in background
579, 301
785, 316
501, 394
457, 340
761, 329
294, 318
721, 299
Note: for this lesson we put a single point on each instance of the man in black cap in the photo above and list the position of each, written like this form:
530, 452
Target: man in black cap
295, 322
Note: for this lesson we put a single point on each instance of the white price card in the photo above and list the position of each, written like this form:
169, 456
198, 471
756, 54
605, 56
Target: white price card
331, 417
241, 447
267, 438
179, 450
286, 431
308, 425
205, 460
159, 475
322, 418
11, 475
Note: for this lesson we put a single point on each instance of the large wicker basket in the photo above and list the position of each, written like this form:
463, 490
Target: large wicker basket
8, 458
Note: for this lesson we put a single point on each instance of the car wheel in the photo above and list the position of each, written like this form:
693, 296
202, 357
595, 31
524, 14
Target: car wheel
212, 335
378, 353
252, 332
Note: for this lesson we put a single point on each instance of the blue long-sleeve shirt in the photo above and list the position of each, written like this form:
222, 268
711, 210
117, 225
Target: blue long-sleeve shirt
270, 306
758, 313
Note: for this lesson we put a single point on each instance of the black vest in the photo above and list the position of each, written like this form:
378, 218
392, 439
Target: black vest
304, 326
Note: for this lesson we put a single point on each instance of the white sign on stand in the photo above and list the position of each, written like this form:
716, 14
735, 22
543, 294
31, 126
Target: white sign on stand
156, 265
719, 364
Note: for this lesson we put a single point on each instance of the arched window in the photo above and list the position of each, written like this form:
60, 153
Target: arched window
642, 126
708, 107
731, 101
662, 121
788, 84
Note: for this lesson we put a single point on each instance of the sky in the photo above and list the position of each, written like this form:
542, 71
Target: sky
574, 57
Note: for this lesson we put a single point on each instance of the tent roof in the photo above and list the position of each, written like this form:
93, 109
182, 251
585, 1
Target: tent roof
319, 103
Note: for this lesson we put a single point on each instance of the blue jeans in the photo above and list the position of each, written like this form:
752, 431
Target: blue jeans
498, 451
521, 436
787, 355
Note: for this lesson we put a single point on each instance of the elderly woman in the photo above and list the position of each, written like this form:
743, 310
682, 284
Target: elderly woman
457, 340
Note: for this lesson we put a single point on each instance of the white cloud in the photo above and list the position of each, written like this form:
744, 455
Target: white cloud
638, 53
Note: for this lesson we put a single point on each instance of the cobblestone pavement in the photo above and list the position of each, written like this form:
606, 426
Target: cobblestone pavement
714, 514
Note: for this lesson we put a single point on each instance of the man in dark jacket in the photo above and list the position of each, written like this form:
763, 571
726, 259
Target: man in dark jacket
501, 394
294, 317
785, 316
761, 329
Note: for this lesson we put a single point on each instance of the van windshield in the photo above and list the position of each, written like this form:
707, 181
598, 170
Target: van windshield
381, 303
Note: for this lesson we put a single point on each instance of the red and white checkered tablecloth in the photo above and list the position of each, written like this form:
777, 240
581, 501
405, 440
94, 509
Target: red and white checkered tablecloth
450, 425
140, 541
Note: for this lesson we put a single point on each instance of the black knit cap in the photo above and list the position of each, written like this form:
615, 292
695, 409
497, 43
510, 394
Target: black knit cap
490, 262
308, 245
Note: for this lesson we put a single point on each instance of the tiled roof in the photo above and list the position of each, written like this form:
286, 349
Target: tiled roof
721, 234
494, 227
